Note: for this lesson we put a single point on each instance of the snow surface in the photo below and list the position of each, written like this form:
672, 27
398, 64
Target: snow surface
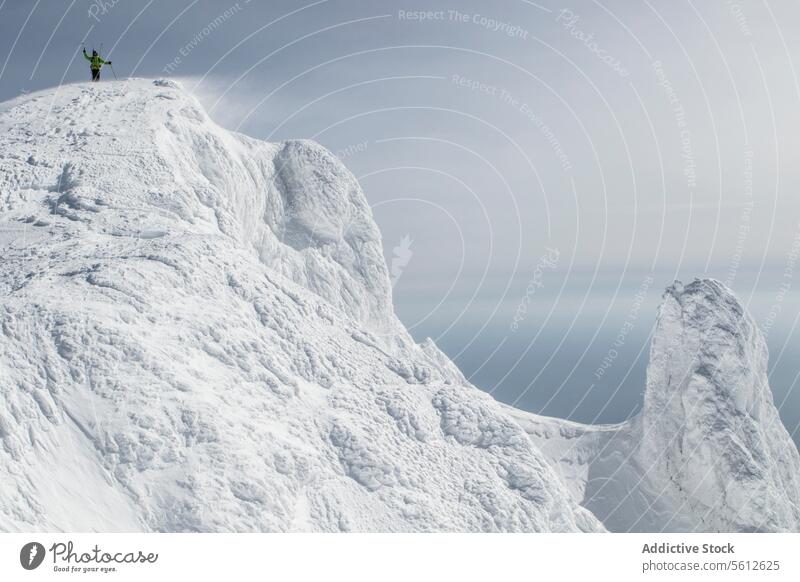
708, 452
197, 334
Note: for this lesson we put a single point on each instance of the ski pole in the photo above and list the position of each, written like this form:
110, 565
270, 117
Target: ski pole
113, 71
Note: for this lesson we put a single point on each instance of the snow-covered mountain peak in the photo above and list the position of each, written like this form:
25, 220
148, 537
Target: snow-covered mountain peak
196, 334
706, 342
709, 420
708, 451
142, 159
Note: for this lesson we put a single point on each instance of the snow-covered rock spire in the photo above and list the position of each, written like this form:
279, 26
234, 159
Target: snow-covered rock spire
709, 425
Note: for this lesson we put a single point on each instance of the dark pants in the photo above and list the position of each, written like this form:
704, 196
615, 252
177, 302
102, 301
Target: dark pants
95, 75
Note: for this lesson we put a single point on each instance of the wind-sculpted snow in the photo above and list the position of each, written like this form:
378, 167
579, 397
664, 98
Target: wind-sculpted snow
709, 420
196, 334
708, 452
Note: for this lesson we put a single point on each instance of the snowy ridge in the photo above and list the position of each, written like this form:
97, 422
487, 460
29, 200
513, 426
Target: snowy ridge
708, 452
197, 335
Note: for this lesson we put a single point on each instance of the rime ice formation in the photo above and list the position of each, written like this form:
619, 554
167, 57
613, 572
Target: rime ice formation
708, 451
197, 334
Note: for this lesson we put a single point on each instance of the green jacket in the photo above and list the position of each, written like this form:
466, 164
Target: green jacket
96, 62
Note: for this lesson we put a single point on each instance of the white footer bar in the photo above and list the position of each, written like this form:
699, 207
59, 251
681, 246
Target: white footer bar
401, 557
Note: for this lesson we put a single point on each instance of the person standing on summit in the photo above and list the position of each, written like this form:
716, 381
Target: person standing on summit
95, 64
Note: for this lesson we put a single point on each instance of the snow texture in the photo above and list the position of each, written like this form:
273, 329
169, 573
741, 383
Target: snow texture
708, 452
197, 334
